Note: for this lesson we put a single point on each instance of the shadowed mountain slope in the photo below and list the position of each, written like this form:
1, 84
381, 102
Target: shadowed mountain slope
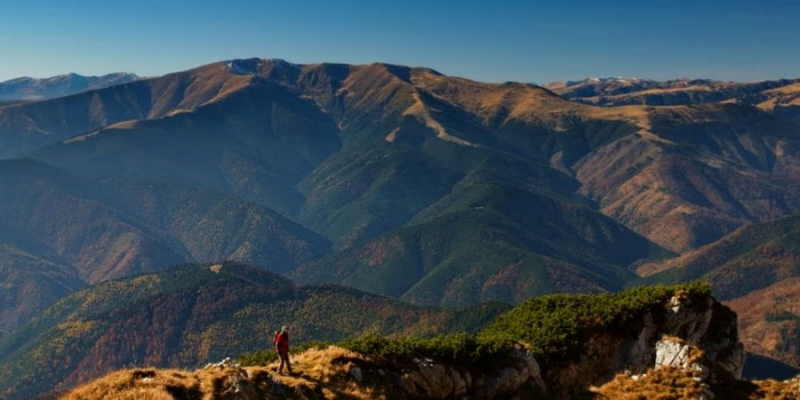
30, 282
59, 232
769, 321
215, 226
255, 143
757, 270
752, 257
63, 214
28, 126
487, 241
703, 172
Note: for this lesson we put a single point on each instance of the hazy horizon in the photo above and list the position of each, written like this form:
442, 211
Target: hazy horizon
575, 79
526, 41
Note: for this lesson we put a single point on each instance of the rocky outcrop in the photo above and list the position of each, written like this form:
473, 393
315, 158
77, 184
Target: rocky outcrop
715, 353
694, 334
690, 333
436, 381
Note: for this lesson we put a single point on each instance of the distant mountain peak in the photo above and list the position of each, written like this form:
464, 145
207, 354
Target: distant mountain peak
606, 80
28, 88
71, 75
67, 75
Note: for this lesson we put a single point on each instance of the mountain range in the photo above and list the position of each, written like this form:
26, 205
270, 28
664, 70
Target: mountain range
403, 182
780, 97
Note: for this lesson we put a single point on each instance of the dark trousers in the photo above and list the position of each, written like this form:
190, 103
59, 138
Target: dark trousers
284, 356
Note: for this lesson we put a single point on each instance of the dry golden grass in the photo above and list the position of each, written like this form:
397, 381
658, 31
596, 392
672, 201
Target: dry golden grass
145, 383
782, 97
775, 390
521, 101
329, 370
663, 384
793, 88
421, 111
676, 384
325, 371
533, 104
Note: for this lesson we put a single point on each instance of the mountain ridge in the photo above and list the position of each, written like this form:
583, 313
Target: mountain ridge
622, 91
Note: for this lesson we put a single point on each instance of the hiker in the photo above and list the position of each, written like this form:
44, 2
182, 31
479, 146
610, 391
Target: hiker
281, 343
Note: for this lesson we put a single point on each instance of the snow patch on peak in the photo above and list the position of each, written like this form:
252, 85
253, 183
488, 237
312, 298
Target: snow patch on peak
256, 66
241, 67
608, 80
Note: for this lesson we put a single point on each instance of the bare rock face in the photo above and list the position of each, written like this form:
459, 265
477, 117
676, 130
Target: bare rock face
525, 372
673, 352
236, 381
721, 344
701, 337
711, 329
687, 320
431, 380
695, 334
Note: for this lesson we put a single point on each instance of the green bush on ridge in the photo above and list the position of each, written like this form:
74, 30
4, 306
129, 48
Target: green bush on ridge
459, 348
553, 328
556, 326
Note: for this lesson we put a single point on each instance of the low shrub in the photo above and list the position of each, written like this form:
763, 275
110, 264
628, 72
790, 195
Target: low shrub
459, 348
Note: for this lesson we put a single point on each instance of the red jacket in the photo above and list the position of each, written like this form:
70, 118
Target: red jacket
282, 341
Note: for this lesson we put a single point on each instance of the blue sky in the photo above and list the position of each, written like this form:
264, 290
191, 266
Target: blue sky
531, 41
